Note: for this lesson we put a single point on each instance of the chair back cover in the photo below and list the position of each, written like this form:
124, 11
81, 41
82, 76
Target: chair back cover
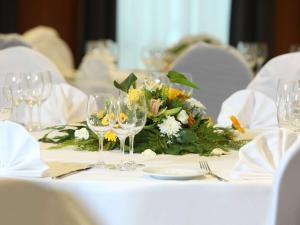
23, 59
219, 72
281, 67
285, 207
47, 41
27, 203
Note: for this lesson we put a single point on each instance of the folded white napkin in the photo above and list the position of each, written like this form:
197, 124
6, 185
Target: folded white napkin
19, 152
259, 158
253, 109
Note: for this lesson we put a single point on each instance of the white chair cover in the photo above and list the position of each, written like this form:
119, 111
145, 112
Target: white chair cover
22, 59
28, 203
285, 207
47, 41
281, 67
218, 72
12, 40
97, 72
254, 110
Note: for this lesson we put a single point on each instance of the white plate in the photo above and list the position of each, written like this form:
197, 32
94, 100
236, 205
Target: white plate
173, 172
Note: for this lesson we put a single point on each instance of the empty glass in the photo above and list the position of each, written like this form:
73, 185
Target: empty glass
32, 89
284, 88
5, 103
293, 106
47, 82
14, 92
99, 115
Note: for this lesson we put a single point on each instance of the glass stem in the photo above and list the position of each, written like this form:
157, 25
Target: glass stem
39, 105
30, 118
100, 137
131, 145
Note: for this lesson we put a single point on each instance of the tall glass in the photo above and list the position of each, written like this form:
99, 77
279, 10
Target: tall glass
5, 103
293, 107
47, 81
14, 92
99, 115
284, 88
32, 89
141, 118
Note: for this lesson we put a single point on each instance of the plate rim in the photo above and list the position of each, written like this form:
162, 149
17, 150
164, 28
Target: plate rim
172, 176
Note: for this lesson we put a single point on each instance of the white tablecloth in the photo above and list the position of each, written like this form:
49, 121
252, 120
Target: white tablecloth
132, 198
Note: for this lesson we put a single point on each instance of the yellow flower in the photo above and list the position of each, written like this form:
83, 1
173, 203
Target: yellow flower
100, 114
236, 124
174, 93
134, 95
122, 117
110, 136
210, 122
105, 120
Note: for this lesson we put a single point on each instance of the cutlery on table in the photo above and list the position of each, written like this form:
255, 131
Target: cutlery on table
204, 165
73, 172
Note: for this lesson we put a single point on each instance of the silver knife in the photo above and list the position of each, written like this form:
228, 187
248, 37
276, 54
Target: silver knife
72, 172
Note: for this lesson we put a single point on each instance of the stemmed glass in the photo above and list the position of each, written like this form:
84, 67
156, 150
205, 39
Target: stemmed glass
14, 92
47, 81
141, 110
32, 89
293, 106
123, 122
284, 88
99, 115
5, 103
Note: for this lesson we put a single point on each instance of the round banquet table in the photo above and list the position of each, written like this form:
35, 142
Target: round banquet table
133, 198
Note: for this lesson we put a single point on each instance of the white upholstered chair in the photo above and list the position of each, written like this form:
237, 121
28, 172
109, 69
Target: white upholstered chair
281, 67
285, 205
219, 72
31, 203
47, 41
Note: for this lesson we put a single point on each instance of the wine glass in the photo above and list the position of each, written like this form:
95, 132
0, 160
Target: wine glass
293, 106
99, 114
47, 81
32, 89
124, 122
141, 118
5, 103
261, 54
284, 88
14, 92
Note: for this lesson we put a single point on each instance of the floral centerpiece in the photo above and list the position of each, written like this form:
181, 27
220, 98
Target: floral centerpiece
176, 123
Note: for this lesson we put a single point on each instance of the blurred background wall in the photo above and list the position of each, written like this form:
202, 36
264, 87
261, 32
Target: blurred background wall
273, 21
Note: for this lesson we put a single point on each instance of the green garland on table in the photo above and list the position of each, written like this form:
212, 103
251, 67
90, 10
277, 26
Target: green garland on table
176, 123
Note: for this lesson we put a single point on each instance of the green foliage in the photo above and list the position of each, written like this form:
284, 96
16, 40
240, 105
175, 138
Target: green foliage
127, 83
179, 78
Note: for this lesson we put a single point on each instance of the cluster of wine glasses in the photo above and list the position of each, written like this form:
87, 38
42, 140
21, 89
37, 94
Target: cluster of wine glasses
29, 89
288, 104
255, 53
124, 115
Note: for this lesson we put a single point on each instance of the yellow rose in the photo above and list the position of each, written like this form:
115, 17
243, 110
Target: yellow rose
134, 95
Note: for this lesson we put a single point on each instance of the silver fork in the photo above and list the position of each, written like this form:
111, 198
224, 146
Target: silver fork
204, 165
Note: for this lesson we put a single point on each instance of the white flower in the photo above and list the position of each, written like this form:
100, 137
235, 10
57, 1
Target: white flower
151, 85
218, 152
195, 103
82, 134
170, 126
149, 153
183, 117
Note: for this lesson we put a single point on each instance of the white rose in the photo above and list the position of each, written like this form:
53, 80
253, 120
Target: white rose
183, 117
82, 134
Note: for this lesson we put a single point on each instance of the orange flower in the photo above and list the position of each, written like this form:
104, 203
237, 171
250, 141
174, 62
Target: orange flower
174, 93
191, 120
236, 124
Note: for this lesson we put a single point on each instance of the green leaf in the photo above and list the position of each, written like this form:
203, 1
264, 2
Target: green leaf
179, 78
187, 136
171, 112
127, 83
